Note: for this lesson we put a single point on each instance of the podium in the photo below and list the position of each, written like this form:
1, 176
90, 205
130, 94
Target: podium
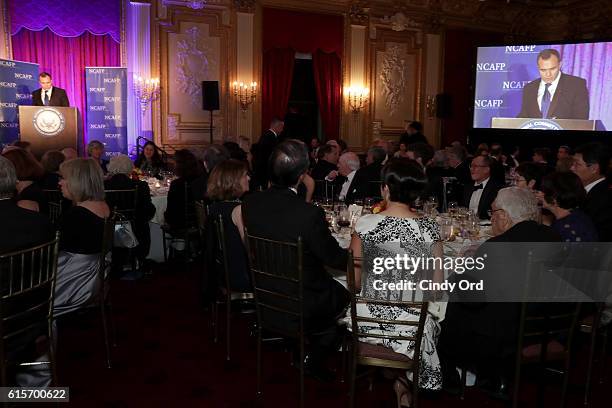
48, 127
546, 124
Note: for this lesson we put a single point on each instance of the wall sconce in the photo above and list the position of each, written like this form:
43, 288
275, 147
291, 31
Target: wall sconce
245, 93
430, 105
357, 97
146, 91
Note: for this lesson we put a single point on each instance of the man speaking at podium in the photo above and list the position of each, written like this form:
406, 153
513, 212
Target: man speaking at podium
47, 94
555, 95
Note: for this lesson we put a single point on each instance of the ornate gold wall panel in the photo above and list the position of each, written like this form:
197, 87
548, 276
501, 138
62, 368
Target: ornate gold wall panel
195, 46
395, 79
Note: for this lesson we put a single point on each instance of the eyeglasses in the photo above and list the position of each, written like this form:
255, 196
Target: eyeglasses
491, 212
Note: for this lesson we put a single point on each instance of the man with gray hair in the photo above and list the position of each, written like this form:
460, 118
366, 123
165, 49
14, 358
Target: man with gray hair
348, 164
21, 228
367, 179
483, 334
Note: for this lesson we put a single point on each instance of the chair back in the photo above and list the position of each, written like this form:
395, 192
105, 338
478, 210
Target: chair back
55, 212
542, 323
325, 190
27, 284
191, 215
124, 202
53, 196
415, 327
108, 240
276, 272
201, 212
221, 260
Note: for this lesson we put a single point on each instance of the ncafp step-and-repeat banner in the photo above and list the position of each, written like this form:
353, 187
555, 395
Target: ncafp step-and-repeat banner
106, 90
17, 82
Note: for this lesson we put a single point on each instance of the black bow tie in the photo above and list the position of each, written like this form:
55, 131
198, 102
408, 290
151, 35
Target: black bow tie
478, 187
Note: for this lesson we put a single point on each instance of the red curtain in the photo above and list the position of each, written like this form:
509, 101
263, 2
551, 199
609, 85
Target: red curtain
328, 81
276, 83
304, 32
65, 58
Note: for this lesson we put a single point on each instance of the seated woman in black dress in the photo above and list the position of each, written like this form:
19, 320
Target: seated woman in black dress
51, 161
191, 176
120, 167
562, 194
228, 181
150, 161
29, 194
82, 230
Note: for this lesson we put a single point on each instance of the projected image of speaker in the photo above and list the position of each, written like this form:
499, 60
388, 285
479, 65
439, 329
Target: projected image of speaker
210, 95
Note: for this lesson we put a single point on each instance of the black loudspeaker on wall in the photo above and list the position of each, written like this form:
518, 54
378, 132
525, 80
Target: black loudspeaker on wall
210, 95
443, 106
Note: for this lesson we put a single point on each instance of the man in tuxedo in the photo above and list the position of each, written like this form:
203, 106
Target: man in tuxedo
554, 95
280, 214
262, 150
481, 335
480, 193
47, 94
347, 168
21, 228
591, 162
366, 182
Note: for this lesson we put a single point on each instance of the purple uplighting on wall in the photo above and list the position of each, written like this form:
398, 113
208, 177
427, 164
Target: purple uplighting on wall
67, 18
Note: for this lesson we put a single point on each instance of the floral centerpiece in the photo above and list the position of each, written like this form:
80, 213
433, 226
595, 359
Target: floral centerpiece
136, 174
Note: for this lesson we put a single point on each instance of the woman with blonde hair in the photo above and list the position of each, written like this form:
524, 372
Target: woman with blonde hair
82, 231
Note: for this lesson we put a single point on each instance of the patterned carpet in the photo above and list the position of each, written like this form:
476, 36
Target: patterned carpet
166, 357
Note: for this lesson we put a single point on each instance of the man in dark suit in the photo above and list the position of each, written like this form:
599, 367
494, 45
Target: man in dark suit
591, 162
413, 133
554, 95
21, 228
366, 182
262, 150
480, 193
327, 163
280, 214
47, 94
480, 333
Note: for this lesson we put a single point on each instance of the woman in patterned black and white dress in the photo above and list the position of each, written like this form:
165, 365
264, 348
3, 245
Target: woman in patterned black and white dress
399, 230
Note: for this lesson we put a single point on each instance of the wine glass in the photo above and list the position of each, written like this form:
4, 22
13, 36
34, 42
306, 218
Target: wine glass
452, 208
344, 218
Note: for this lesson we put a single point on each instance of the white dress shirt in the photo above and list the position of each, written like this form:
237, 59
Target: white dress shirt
551, 89
347, 184
476, 194
42, 94
590, 186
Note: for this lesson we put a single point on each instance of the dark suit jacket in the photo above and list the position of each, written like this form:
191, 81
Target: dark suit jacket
58, 97
571, 99
486, 199
361, 186
598, 206
322, 169
407, 139
261, 154
279, 214
22, 228
483, 334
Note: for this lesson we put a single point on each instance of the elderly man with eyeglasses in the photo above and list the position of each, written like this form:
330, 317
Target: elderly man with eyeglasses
479, 194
